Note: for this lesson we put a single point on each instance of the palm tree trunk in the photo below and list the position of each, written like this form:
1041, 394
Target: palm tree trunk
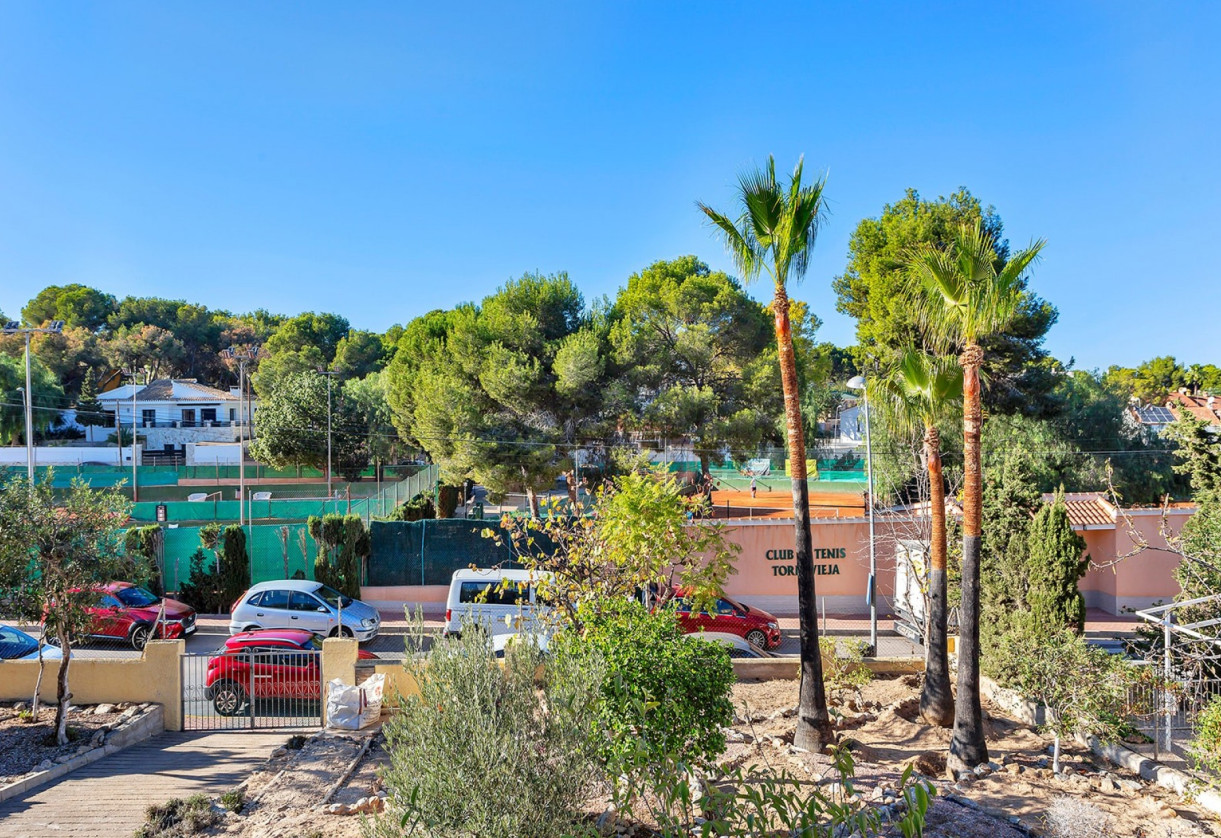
936, 699
813, 720
967, 747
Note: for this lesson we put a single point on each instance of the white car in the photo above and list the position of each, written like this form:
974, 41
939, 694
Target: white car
16, 645
738, 647
504, 601
303, 604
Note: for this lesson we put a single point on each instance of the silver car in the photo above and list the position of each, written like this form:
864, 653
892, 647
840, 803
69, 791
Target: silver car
302, 604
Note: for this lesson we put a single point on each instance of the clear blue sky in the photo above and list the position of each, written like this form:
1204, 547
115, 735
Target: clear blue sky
382, 159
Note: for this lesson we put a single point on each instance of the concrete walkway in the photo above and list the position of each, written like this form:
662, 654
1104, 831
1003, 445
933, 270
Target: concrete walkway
107, 799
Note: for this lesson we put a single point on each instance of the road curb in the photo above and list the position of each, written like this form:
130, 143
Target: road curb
145, 726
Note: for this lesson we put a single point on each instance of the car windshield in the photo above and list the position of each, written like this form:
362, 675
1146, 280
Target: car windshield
137, 597
15, 644
333, 598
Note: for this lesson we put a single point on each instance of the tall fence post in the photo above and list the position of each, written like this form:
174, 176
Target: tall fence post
1168, 696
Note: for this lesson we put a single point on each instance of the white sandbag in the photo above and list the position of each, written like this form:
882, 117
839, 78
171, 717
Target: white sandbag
351, 708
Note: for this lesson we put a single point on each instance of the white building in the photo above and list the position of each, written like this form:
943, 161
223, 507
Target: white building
172, 413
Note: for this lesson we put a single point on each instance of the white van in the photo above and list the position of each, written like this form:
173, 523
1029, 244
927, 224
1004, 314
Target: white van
482, 596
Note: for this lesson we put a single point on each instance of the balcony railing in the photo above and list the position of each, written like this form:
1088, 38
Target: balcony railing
189, 423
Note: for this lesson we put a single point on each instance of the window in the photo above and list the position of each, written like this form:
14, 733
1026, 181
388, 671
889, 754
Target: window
137, 597
272, 599
473, 592
188, 418
207, 415
148, 417
724, 608
333, 597
14, 644
301, 601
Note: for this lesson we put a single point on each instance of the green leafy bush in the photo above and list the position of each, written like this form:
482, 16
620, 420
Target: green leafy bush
843, 666
343, 542
1205, 749
654, 681
419, 508
202, 591
486, 751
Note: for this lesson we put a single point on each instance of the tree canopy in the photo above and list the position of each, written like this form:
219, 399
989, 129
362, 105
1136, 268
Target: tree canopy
874, 289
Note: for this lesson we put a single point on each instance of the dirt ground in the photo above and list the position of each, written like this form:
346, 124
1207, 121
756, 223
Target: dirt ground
291, 794
24, 743
884, 723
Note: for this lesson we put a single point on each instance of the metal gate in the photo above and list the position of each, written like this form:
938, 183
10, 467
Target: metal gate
252, 689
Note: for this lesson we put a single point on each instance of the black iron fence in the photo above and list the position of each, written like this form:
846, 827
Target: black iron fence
254, 689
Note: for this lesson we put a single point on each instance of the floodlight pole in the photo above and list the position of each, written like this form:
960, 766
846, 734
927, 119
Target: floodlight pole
329, 375
135, 490
13, 327
243, 356
858, 383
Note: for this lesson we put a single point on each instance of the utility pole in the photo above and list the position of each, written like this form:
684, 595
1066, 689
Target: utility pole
858, 383
13, 327
329, 375
243, 356
135, 489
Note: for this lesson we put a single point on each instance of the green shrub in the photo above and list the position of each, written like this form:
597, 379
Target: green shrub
843, 665
343, 542
486, 751
419, 508
178, 818
202, 591
656, 684
1205, 749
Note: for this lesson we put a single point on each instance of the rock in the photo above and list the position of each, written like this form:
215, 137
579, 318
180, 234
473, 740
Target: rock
1067, 770
992, 766
20, 706
130, 713
62, 758
788, 712
1129, 785
1042, 762
338, 809
98, 737
929, 763
982, 770
1107, 784
1014, 768
966, 777
82, 750
103, 709
279, 752
45, 765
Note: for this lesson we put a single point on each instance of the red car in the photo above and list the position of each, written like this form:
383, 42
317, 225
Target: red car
732, 617
270, 664
128, 612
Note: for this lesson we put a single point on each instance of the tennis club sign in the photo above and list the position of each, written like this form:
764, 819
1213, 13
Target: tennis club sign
820, 569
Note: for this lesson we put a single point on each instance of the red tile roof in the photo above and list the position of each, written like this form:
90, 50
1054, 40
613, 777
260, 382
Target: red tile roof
1088, 510
1201, 406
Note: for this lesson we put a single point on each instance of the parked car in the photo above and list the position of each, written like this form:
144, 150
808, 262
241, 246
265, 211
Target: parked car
738, 647
270, 663
501, 642
128, 612
16, 645
731, 617
303, 604
503, 600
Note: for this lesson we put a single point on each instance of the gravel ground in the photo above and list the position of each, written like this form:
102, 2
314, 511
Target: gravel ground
23, 743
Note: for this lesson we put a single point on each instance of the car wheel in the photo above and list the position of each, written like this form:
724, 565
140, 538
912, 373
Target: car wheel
757, 637
228, 698
139, 637
341, 632
251, 628
53, 640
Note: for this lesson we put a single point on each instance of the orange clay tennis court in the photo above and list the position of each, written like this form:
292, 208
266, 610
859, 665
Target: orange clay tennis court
779, 504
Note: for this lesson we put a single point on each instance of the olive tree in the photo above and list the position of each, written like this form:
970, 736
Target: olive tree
54, 555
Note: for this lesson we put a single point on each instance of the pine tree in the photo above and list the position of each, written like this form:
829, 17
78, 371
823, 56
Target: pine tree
1055, 565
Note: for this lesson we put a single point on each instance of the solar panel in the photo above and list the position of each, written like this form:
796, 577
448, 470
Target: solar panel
1156, 415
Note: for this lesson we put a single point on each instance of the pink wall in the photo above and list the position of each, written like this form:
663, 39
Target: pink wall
765, 576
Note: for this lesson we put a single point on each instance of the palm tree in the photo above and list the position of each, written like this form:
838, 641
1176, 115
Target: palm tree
967, 297
774, 233
917, 394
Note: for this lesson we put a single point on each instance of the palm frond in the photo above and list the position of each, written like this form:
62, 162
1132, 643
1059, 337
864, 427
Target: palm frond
777, 226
